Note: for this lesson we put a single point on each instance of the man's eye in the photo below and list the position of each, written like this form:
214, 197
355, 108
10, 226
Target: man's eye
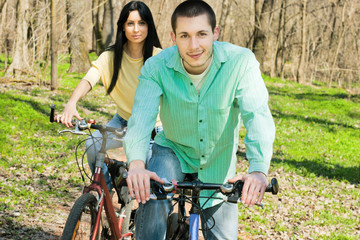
183, 36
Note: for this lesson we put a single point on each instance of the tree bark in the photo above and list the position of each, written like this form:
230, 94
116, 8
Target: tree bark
53, 46
301, 76
2, 4
20, 61
343, 30
225, 10
79, 53
280, 42
161, 7
262, 23
104, 21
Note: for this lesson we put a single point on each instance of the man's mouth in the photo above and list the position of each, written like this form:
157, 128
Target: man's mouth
195, 55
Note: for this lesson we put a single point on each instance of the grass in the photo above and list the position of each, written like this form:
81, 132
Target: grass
316, 159
325, 125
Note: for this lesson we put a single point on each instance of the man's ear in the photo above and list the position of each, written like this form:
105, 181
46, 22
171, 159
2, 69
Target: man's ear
216, 33
173, 37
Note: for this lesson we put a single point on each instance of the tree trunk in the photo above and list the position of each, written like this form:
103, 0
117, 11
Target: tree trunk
2, 4
161, 7
53, 46
262, 24
104, 22
225, 10
79, 53
301, 76
280, 44
20, 61
341, 37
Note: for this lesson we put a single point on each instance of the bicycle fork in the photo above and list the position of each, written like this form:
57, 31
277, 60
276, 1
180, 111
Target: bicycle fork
194, 216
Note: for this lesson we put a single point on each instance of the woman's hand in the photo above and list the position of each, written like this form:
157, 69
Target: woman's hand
67, 115
70, 109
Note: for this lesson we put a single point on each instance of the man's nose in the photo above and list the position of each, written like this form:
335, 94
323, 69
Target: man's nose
194, 42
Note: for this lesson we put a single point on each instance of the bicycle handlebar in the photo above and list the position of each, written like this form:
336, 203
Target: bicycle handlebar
81, 125
232, 192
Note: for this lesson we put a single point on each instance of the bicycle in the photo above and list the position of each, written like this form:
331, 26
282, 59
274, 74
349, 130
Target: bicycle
86, 219
181, 226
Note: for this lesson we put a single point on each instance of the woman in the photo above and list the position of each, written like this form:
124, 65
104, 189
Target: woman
118, 67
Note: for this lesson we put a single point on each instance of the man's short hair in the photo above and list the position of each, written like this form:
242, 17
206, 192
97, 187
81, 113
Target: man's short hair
193, 8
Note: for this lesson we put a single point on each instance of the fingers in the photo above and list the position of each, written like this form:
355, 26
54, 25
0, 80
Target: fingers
236, 178
138, 184
155, 177
138, 181
253, 189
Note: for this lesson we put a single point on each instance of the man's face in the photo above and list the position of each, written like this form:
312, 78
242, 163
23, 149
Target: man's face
194, 38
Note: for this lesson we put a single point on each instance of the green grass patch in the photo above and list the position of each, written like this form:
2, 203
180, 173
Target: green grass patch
318, 130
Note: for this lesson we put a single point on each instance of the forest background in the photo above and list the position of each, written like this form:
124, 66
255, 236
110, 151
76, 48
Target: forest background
306, 41
309, 54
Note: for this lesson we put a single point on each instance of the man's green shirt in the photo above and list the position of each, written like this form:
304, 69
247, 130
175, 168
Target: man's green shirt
203, 129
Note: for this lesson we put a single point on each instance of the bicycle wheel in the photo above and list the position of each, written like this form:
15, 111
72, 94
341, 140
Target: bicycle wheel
81, 220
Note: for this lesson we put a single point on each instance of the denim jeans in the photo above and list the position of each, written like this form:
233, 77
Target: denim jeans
151, 217
93, 146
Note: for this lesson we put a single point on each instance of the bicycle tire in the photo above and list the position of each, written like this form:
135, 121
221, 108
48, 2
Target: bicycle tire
81, 220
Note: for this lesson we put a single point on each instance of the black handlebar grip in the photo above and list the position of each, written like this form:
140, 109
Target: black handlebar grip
52, 113
273, 187
275, 184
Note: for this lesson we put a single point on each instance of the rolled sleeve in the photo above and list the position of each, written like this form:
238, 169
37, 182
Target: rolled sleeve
92, 76
253, 96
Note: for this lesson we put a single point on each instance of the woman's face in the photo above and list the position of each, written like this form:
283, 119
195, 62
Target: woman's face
135, 28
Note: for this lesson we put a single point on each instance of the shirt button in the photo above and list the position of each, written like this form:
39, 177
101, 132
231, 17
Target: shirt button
202, 156
201, 140
201, 168
191, 84
200, 121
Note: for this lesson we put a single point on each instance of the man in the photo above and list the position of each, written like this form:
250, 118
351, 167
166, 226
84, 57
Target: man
204, 89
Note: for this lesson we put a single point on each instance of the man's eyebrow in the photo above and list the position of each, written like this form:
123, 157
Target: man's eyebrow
200, 31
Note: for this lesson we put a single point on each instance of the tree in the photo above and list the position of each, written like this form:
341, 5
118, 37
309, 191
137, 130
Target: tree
301, 69
2, 4
79, 52
20, 55
225, 11
53, 46
262, 23
104, 23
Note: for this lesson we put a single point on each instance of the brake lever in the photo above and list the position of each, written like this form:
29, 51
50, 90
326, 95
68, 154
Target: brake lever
73, 132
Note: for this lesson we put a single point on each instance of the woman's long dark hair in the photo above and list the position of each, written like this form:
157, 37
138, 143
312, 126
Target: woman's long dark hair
151, 40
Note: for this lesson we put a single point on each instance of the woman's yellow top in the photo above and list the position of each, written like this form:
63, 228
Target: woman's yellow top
124, 91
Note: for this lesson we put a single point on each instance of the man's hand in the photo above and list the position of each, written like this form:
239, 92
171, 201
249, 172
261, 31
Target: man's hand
138, 181
254, 187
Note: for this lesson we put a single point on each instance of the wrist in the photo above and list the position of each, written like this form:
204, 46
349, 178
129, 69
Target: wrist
257, 172
136, 164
